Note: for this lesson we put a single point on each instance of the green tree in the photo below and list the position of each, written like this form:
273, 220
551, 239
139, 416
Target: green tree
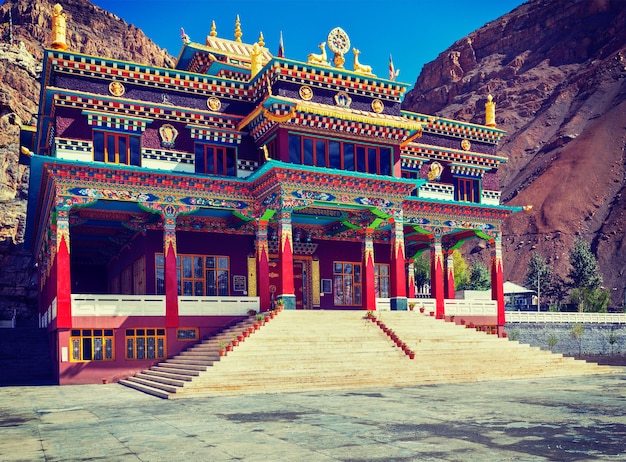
460, 270
421, 268
584, 272
585, 280
538, 275
577, 332
479, 277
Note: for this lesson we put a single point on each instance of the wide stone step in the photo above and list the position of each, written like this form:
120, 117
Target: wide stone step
154, 384
145, 388
163, 367
159, 379
186, 361
167, 375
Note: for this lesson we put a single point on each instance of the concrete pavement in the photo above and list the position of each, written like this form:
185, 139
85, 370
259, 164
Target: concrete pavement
564, 419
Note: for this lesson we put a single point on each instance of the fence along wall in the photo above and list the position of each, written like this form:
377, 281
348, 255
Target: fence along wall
603, 333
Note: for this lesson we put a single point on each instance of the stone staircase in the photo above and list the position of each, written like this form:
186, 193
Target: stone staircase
325, 350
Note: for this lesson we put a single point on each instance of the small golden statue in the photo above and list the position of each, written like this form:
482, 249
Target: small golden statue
58, 39
256, 62
490, 112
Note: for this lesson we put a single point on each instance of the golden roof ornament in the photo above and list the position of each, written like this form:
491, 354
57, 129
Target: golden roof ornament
238, 33
358, 67
490, 112
213, 32
256, 59
339, 43
261, 40
58, 39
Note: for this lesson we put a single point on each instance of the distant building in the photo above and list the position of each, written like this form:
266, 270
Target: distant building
166, 203
518, 298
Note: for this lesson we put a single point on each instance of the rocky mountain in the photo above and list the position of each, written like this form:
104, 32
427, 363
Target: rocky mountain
557, 71
24, 29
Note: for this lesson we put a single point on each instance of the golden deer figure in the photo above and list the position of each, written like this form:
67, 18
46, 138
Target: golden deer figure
358, 67
318, 58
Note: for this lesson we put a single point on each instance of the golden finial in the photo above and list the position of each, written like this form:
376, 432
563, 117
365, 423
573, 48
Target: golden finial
490, 112
58, 39
238, 32
261, 40
213, 32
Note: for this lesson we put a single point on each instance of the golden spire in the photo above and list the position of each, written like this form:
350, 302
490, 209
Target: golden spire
238, 32
490, 112
213, 32
261, 40
58, 39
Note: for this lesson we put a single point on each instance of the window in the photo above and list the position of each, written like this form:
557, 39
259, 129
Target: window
145, 343
116, 148
347, 283
91, 345
381, 280
218, 160
320, 152
187, 334
466, 190
197, 274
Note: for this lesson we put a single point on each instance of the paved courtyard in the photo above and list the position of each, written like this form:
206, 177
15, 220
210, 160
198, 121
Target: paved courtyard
565, 419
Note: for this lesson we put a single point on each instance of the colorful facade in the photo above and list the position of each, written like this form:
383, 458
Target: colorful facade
166, 203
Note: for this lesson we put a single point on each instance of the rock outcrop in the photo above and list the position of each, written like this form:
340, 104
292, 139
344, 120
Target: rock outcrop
24, 31
557, 71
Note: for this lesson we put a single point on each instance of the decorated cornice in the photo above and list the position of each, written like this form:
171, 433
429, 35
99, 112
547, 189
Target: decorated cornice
132, 109
316, 116
333, 78
420, 209
133, 73
212, 135
122, 122
424, 152
455, 128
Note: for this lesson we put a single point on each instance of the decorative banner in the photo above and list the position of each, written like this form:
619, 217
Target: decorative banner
120, 195
209, 202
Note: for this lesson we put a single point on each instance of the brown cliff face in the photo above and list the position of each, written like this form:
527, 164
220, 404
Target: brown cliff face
91, 30
557, 71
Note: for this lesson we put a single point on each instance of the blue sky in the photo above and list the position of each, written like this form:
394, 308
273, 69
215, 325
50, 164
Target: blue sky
413, 31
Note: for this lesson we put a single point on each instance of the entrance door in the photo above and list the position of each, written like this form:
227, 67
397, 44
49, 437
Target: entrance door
301, 275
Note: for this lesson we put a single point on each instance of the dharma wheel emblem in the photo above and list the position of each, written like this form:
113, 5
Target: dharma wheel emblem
378, 106
466, 145
306, 93
214, 103
116, 88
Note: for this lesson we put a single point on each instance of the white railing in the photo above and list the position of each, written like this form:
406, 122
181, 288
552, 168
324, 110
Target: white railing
471, 307
530, 316
217, 306
436, 191
118, 305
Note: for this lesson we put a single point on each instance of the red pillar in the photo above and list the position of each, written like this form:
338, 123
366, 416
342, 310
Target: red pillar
369, 277
436, 276
62, 279
411, 271
398, 271
262, 265
497, 280
449, 279
171, 272
285, 257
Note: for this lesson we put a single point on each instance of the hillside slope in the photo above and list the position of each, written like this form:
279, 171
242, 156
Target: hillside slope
557, 71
